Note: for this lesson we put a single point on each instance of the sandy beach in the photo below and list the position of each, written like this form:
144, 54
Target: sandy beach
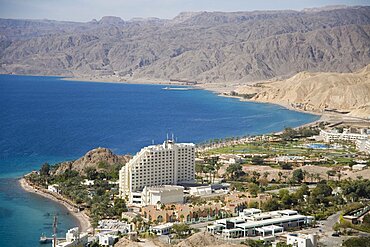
83, 219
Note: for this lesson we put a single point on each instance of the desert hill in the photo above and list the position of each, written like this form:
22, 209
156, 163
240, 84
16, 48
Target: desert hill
93, 159
343, 92
208, 47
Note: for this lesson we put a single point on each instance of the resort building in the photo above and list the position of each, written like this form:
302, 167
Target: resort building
167, 164
73, 238
164, 194
108, 239
346, 135
200, 190
188, 213
302, 240
252, 222
164, 229
363, 146
53, 188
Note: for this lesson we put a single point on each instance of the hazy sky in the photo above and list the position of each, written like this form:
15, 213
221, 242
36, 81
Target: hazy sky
85, 10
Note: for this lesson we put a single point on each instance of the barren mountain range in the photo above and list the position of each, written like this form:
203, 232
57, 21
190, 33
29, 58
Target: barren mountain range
207, 47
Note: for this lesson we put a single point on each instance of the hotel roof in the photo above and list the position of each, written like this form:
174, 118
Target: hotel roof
277, 220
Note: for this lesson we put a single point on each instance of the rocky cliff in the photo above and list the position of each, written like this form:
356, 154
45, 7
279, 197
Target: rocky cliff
235, 47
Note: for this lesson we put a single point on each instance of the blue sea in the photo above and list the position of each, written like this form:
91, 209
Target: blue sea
46, 119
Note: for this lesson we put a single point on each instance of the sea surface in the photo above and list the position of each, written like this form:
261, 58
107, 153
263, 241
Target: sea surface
46, 119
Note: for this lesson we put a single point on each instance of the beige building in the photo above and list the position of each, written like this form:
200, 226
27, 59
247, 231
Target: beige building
167, 164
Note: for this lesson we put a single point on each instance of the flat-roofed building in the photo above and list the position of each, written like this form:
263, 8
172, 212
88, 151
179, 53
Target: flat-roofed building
167, 164
346, 135
302, 240
162, 194
252, 223
363, 146
164, 229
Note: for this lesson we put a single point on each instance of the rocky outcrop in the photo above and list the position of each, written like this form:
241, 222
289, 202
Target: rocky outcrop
93, 159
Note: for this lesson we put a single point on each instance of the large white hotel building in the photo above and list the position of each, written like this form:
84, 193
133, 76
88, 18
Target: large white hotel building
167, 164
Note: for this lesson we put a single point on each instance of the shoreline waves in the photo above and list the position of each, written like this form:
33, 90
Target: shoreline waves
82, 217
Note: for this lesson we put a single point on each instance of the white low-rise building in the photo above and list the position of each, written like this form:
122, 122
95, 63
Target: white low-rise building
114, 226
363, 146
164, 229
200, 190
346, 135
164, 194
53, 188
302, 240
107, 239
74, 238
359, 167
252, 222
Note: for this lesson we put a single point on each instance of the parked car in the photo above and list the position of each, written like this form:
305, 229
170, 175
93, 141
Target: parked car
335, 234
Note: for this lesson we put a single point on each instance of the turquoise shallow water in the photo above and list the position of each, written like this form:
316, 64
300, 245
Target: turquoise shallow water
45, 119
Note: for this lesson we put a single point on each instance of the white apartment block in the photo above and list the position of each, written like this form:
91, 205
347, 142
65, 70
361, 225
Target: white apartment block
167, 164
334, 135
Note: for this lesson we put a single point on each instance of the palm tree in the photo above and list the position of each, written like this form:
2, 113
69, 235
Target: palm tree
339, 175
285, 177
330, 173
311, 176
317, 177
256, 175
305, 175
280, 174
266, 174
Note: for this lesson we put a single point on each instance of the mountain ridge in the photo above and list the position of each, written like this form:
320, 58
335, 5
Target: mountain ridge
207, 47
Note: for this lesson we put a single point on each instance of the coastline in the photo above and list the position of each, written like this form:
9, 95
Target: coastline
82, 218
219, 89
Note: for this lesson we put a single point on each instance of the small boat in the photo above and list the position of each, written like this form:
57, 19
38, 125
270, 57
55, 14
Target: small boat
177, 88
44, 239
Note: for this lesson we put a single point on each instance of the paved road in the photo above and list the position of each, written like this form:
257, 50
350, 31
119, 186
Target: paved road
327, 230
201, 226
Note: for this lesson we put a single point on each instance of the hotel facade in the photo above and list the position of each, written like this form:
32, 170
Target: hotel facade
167, 164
